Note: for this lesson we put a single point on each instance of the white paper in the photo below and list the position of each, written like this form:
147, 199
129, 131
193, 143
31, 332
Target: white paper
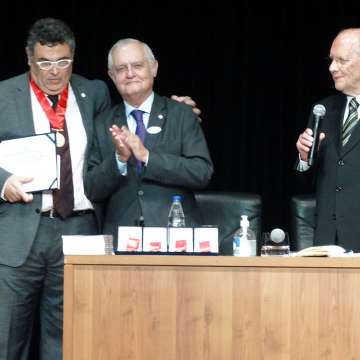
206, 239
87, 244
32, 156
180, 239
129, 238
155, 239
325, 250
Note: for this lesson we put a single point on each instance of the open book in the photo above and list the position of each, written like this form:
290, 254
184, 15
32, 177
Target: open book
326, 250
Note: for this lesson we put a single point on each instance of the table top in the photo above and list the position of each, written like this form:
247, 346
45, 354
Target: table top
215, 261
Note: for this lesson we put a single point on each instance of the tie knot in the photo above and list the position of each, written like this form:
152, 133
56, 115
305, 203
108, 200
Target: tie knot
54, 100
137, 115
353, 103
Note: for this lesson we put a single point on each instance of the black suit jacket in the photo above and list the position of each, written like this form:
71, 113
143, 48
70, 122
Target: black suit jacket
179, 162
19, 221
337, 171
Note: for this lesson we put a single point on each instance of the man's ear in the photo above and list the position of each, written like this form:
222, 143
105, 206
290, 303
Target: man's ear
28, 54
112, 75
154, 68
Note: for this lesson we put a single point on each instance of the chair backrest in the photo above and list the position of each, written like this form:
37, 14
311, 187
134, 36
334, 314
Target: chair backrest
224, 209
303, 209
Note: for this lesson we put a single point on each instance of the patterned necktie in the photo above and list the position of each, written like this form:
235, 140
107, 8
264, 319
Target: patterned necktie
350, 122
54, 100
63, 198
140, 131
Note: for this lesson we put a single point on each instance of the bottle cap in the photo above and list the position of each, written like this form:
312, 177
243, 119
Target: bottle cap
176, 198
244, 221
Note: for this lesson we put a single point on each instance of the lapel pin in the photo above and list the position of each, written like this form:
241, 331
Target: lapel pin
153, 129
83, 95
160, 116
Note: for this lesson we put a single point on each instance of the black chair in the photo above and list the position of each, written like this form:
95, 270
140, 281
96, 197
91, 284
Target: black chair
303, 210
224, 209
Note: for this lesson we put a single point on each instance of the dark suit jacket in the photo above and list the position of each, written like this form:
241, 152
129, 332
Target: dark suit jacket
19, 221
179, 162
337, 171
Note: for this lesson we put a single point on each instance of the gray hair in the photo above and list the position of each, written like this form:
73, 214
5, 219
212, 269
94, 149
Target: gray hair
123, 42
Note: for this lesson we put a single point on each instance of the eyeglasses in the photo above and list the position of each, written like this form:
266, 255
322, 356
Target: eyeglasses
47, 64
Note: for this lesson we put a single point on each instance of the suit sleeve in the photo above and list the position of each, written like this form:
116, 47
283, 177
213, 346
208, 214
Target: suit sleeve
103, 176
103, 99
4, 175
192, 166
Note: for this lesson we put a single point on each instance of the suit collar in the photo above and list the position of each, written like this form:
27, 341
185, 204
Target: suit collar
157, 120
158, 112
23, 104
337, 113
84, 103
355, 135
120, 118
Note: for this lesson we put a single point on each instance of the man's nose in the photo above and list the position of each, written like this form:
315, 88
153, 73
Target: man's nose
130, 72
54, 70
333, 66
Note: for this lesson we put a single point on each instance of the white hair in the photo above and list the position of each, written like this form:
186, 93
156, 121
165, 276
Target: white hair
123, 42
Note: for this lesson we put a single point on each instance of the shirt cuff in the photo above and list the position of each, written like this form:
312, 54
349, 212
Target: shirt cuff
302, 165
121, 165
2, 194
147, 159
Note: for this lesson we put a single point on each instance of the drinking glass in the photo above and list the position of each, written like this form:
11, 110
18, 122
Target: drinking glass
274, 244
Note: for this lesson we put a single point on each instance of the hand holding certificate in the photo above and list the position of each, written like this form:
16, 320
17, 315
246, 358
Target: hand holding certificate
32, 156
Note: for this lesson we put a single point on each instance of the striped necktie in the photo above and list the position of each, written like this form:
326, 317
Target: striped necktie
350, 122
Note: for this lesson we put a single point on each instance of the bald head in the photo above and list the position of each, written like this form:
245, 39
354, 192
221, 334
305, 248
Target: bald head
351, 37
345, 61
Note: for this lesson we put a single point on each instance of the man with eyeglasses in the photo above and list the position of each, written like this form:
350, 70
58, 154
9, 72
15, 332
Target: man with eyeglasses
48, 98
337, 166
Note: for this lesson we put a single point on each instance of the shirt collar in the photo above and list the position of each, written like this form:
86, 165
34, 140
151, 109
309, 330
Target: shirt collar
145, 106
350, 97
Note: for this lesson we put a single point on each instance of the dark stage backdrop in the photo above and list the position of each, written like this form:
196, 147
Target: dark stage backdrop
255, 69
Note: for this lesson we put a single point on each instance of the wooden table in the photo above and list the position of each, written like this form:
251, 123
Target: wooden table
211, 307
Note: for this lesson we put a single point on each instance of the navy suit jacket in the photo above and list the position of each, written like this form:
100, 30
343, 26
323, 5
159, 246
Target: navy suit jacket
179, 162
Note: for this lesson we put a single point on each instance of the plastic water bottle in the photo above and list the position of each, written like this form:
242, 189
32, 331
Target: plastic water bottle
244, 240
176, 214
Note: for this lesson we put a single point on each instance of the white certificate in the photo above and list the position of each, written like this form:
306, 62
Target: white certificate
32, 156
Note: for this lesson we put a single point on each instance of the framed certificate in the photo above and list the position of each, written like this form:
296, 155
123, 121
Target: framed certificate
32, 156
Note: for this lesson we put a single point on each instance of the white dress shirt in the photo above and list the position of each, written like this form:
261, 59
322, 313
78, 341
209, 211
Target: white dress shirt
77, 142
146, 108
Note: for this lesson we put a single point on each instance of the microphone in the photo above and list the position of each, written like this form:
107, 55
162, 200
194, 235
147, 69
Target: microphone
277, 236
319, 112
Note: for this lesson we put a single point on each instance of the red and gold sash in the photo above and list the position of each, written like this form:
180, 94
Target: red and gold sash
55, 117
